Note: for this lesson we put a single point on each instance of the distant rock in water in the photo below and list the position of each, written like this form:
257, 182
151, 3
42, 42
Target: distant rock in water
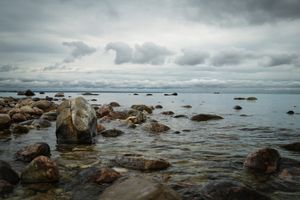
251, 98
140, 162
180, 116
167, 113
142, 107
59, 94
8, 174
89, 94
239, 98
290, 112
149, 94
30, 152
205, 117
158, 106
139, 188
187, 106
229, 190
173, 94
114, 104
264, 160
155, 127
111, 133
26, 93
237, 107
76, 122
292, 147
135, 94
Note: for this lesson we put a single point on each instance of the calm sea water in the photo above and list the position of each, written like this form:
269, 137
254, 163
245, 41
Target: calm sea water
201, 152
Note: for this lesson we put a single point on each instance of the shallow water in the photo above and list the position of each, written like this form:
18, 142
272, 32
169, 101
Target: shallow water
204, 151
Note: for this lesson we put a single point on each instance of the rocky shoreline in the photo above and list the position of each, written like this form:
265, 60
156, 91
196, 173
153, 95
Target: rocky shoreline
79, 123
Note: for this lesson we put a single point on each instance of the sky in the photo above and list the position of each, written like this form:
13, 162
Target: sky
154, 44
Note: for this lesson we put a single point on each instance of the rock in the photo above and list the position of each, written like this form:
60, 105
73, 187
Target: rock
167, 113
205, 117
158, 106
139, 162
155, 127
290, 173
149, 95
41, 123
40, 170
239, 98
21, 93
228, 190
28, 153
292, 147
135, 94
136, 117
251, 98
141, 108
29, 93
45, 105
118, 115
59, 94
89, 93
187, 106
290, 112
114, 104
100, 128
42, 92
180, 116
8, 174
174, 94
5, 188
237, 107
5, 121
111, 133
50, 116
107, 175
139, 188
19, 117
104, 111
264, 160
31, 110
19, 129
76, 122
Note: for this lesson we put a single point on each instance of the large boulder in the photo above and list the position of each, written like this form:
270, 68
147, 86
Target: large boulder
5, 121
205, 117
228, 190
155, 127
264, 160
28, 153
8, 174
139, 188
40, 170
29, 93
140, 162
76, 122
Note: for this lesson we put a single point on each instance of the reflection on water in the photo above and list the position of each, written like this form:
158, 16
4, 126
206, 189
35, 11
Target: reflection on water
198, 151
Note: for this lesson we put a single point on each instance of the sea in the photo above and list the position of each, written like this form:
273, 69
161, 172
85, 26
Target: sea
199, 152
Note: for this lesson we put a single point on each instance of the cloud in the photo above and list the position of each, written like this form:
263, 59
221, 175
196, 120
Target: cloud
147, 53
8, 68
191, 57
123, 51
80, 49
279, 59
231, 57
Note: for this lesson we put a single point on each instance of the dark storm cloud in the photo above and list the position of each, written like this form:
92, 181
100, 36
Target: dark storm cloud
147, 53
8, 68
191, 57
245, 12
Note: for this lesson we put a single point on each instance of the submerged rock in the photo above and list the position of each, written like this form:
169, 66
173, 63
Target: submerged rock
107, 175
28, 153
76, 122
5, 121
292, 147
205, 117
237, 107
264, 160
8, 174
139, 188
167, 113
41, 123
40, 170
111, 133
142, 107
19, 129
155, 127
5, 187
228, 190
140, 162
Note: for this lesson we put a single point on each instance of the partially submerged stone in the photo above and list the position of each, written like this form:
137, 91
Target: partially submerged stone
8, 174
5, 121
142, 107
205, 117
167, 113
19, 129
28, 153
107, 175
111, 133
155, 127
5, 187
292, 146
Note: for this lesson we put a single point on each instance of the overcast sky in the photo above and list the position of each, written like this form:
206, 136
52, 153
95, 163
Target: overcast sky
150, 44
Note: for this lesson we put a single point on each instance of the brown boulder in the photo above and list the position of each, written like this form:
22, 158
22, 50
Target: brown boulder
45, 105
28, 153
19, 117
107, 175
5, 121
19, 129
155, 127
104, 111
142, 107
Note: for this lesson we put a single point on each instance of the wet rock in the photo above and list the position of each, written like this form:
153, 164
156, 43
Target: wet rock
40, 170
149, 94
167, 113
76, 122
29, 93
155, 127
50, 116
111, 133
42, 92
292, 147
140, 162
237, 107
8, 174
228, 190
45, 105
180, 116
142, 108
19, 129
118, 115
104, 111
290, 112
41, 123
5, 188
239, 98
136, 117
264, 160
19, 117
114, 104
290, 173
5, 121
107, 175
158, 106
89, 93
187, 106
20, 93
59, 94
174, 94
100, 128
205, 117
251, 98
31, 110
139, 188
28, 153
135, 94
